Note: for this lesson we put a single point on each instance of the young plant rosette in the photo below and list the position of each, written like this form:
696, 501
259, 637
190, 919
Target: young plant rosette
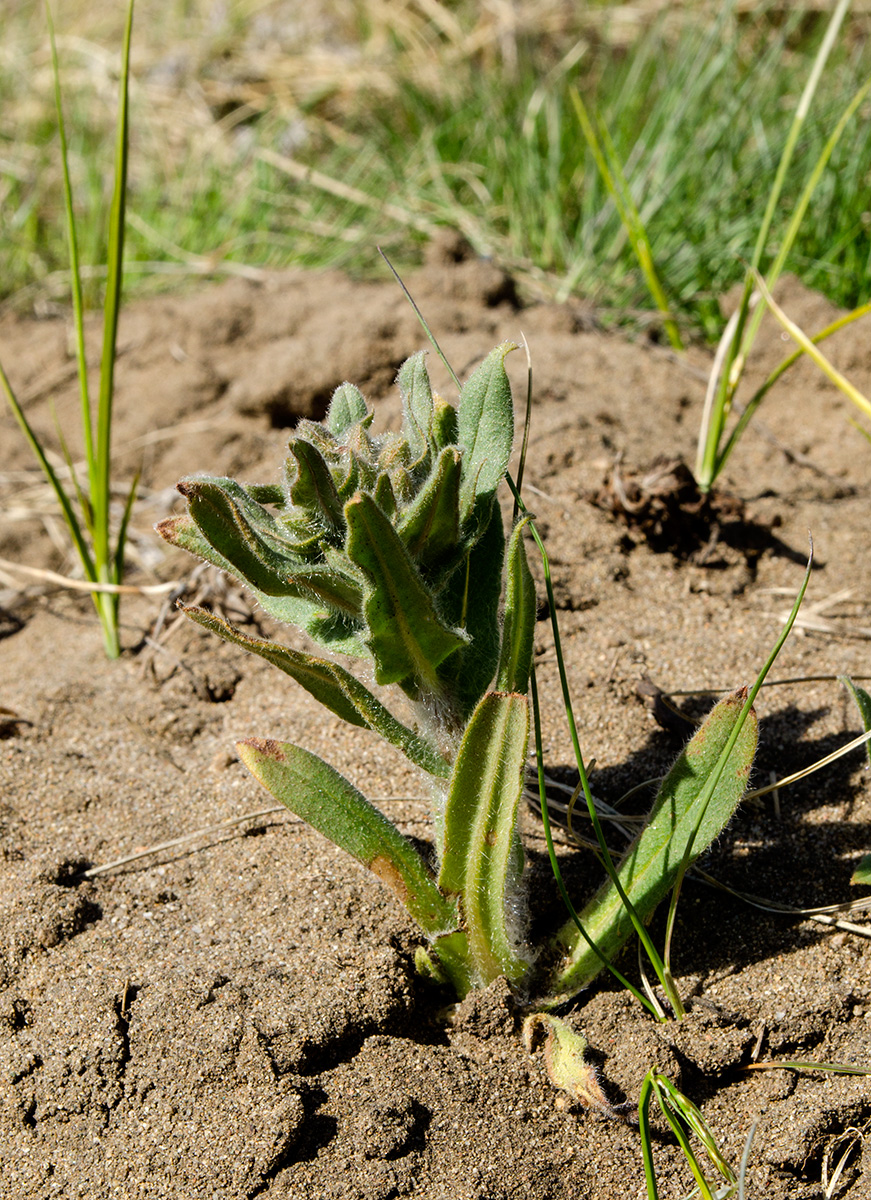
390, 548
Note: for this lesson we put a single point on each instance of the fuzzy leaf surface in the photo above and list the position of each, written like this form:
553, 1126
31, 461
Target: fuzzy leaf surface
331, 685
518, 627
313, 490
407, 637
470, 599
480, 817
650, 866
347, 407
336, 634
417, 405
331, 804
430, 526
243, 532
863, 703
485, 428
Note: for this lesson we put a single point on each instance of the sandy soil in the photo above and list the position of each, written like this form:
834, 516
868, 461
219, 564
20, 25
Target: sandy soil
239, 1016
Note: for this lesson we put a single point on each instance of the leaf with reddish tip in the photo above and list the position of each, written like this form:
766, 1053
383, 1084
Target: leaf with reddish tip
304, 612
565, 1059
332, 805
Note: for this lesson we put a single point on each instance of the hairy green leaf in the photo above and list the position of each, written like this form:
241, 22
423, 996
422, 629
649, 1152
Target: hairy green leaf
313, 490
417, 405
470, 600
326, 800
485, 428
347, 406
333, 686
518, 627
676, 828
406, 636
430, 526
337, 634
479, 821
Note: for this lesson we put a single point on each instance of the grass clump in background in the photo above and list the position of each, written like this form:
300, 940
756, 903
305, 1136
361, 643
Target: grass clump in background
262, 139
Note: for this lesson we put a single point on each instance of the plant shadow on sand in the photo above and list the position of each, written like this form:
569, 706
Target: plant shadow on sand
242, 1018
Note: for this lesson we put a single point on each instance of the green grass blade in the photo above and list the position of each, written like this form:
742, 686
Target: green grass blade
746, 712
72, 522
674, 1115
798, 121
810, 349
479, 856
324, 799
640, 242
118, 557
761, 392
697, 1123
101, 492
597, 955
611, 170
75, 270
788, 238
808, 1064
558, 876
81, 495
747, 325
646, 1135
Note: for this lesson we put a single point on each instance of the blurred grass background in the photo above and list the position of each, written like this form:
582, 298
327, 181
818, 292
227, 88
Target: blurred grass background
267, 133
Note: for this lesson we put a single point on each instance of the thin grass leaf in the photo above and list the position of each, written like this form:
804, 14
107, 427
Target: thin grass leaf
810, 349
697, 798
75, 270
611, 170
727, 750
697, 1123
681, 1114
761, 392
101, 491
674, 1117
808, 1065
650, 1003
646, 1135
746, 326
121, 541
69, 514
